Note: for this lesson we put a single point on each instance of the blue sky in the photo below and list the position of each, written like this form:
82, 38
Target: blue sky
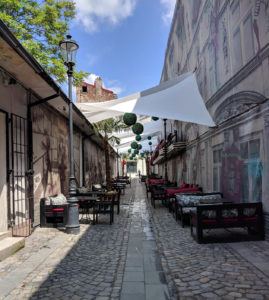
123, 41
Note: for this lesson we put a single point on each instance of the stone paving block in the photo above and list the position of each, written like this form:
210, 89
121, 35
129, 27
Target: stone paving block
156, 292
134, 276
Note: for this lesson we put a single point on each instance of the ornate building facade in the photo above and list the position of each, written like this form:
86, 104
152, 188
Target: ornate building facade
226, 42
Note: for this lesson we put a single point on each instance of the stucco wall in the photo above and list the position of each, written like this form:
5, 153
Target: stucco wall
233, 157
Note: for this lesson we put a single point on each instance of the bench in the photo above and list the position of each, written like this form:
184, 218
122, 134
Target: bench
240, 215
53, 211
185, 202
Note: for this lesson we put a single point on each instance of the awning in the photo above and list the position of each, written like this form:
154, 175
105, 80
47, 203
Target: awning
176, 99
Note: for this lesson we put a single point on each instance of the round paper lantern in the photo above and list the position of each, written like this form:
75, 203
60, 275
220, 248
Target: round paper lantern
139, 147
136, 151
138, 128
131, 158
124, 162
138, 137
129, 119
129, 150
118, 142
142, 154
154, 118
134, 145
150, 143
149, 137
135, 159
120, 154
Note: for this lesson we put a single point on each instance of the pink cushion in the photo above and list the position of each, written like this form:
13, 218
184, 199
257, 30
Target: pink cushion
172, 192
183, 185
57, 209
152, 181
251, 218
230, 220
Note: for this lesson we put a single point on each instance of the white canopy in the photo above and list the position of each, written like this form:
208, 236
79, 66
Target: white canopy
176, 99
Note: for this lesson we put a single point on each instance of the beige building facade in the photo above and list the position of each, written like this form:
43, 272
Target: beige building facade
226, 43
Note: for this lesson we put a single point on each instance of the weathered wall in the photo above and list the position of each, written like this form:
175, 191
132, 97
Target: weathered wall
94, 93
228, 44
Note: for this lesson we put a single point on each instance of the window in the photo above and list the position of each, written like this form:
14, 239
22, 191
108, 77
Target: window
84, 89
217, 161
242, 28
251, 177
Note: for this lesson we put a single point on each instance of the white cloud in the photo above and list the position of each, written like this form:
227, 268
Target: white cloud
169, 6
112, 85
90, 13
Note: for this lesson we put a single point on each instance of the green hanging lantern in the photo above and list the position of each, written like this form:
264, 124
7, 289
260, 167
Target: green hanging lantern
137, 128
138, 137
136, 151
150, 143
131, 158
134, 145
129, 119
149, 137
154, 118
142, 154
129, 150
133, 155
139, 147
120, 154
117, 142
135, 159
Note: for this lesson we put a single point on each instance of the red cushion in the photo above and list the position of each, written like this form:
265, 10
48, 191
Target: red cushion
183, 185
57, 209
172, 192
251, 218
209, 221
152, 181
230, 220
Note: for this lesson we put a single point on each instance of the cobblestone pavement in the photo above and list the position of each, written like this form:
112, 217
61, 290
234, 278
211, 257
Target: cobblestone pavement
92, 265
208, 271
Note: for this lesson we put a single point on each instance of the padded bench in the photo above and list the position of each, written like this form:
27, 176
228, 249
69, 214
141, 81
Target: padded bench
53, 211
249, 215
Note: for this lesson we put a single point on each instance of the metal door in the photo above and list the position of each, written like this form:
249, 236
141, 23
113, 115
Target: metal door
21, 222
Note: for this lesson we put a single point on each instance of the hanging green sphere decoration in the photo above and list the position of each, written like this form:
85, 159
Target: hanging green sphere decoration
131, 158
134, 145
142, 154
129, 150
150, 143
138, 137
154, 118
117, 142
129, 119
136, 151
137, 128
135, 159
149, 137
120, 154
133, 155
139, 147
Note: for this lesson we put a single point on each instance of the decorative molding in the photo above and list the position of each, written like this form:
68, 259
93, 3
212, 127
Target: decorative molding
237, 104
243, 73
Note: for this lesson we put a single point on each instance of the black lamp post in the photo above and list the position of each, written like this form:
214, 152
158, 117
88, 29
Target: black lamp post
165, 153
118, 171
69, 51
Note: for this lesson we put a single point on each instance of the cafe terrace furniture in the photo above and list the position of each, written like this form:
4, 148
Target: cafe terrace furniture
185, 202
86, 205
183, 188
53, 211
105, 206
213, 216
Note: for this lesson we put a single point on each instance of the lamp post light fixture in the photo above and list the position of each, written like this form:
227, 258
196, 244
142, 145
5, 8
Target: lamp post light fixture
165, 153
69, 50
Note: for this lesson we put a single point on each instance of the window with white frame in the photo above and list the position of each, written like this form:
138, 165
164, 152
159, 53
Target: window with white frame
252, 169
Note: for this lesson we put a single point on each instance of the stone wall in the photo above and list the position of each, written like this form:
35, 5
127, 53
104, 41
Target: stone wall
227, 43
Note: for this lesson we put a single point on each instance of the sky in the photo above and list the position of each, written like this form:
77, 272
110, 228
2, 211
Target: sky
123, 41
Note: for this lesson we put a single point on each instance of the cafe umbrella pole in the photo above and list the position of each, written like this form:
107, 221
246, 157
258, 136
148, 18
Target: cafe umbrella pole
68, 50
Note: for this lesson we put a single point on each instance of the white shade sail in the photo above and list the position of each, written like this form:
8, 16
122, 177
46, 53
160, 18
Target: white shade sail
177, 99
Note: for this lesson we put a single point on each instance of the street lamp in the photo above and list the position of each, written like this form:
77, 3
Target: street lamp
165, 153
69, 50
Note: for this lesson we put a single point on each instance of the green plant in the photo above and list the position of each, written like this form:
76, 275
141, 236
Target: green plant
129, 119
138, 137
137, 128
